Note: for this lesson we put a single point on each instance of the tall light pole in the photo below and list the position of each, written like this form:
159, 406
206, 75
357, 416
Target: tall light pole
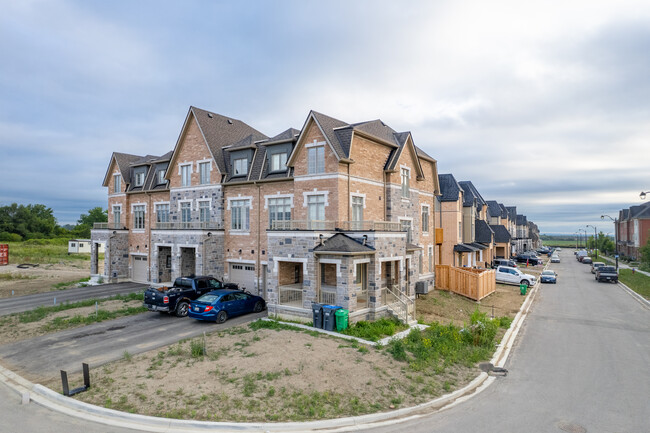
579, 240
602, 217
595, 239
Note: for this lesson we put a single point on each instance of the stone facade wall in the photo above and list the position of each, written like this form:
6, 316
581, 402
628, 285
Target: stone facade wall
116, 253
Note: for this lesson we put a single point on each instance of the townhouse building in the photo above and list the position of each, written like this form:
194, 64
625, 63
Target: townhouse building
335, 212
498, 221
633, 229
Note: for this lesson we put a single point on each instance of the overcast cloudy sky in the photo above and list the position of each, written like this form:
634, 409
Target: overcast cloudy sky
543, 105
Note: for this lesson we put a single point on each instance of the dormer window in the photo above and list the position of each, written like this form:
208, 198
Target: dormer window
161, 177
240, 166
139, 179
279, 161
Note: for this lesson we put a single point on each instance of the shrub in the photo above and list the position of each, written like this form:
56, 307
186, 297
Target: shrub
481, 330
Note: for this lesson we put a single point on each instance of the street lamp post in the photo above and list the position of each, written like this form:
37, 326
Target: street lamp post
602, 217
643, 194
595, 239
579, 237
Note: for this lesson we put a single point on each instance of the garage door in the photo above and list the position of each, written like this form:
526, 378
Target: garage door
244, 275
140, 268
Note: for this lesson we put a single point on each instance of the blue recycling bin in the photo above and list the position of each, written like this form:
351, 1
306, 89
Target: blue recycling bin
329, 317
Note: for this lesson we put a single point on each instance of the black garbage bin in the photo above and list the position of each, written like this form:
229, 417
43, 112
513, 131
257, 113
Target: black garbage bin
329, 317
317, 312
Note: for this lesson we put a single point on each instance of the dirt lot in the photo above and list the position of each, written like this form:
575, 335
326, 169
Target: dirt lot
267, 375
41, 278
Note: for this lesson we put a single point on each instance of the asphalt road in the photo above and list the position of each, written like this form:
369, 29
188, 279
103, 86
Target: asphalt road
580, 365
41, 358
29, 302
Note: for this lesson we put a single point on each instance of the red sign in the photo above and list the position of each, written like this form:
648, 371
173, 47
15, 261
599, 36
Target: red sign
4, 254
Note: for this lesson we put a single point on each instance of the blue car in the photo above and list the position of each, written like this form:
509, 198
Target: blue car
548, 276
219, 305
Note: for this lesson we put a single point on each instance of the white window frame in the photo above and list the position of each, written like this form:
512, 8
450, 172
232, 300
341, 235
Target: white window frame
234, 166
200, 164
162, 203
117, 183
352, 205
139, 178
185, 180
315, 192
240, 220
160, 176
118, 213
428, 213
277, 157
200, 208
405, 174
288, 203
316, 159
144, 215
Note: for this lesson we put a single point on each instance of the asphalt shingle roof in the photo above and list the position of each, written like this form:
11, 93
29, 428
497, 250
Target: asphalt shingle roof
449, 188
483, 232
341, 244
521, 220
493, 208
471, 196
501, 233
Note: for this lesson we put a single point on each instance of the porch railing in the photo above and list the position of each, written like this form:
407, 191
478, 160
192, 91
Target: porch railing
108, 226
327, 295
193, 225
289, 225
290, 294
399, 304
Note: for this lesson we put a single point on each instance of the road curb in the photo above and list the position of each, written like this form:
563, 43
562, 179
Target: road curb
643, 301
52, 400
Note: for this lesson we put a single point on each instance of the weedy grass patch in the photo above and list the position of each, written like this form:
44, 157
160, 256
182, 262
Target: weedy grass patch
636, 281
375, 331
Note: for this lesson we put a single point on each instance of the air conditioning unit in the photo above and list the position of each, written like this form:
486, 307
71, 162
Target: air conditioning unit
421, 288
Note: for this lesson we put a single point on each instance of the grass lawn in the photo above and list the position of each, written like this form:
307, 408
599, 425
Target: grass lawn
638, 282
42, 251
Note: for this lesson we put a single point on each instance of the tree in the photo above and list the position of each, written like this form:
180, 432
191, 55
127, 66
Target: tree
28, 222
644, 255
86, 221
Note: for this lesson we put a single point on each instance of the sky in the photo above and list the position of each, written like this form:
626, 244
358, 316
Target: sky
542, 105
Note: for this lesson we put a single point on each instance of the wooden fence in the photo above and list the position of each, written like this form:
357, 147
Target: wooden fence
472, 283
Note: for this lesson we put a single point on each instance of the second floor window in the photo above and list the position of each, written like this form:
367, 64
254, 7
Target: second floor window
357, 208
406, 180
204, 211
204, 172
316, 160
240, 214
425, 219
186, 212
186, 175
279, 210
117, 215
278, 161
139, 179
240, 166
117, 183
138, 217
316, 207
161, 177
162, 213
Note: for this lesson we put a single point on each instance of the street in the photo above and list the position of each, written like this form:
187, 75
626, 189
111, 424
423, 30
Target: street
29, 302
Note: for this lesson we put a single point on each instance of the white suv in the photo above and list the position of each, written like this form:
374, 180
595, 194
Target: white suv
508, 275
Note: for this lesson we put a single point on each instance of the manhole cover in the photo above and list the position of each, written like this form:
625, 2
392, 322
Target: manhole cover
571, 427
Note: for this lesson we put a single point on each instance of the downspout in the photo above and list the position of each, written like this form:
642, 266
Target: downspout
259, 235
348, 200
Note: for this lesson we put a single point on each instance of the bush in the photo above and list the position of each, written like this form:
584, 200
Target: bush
10, 237
374, 331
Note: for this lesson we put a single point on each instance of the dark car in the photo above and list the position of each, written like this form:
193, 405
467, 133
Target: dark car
504, 262
548, 276
607, 273
219, 305
587, 260
525, 258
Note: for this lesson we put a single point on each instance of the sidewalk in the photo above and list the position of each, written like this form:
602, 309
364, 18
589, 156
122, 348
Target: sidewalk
622, 265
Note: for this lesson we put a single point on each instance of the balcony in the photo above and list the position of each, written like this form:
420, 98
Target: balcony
193, 225
291, 225
109, 226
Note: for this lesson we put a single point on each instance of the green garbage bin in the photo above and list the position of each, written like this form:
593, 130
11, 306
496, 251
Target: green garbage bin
341, 319
523, 288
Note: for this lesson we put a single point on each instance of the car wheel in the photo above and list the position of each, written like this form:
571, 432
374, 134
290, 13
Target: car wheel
182, 308
222, 316
259, 306
525, 282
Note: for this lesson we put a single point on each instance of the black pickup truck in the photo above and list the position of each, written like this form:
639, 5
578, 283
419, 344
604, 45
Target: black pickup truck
176, 299
607, 273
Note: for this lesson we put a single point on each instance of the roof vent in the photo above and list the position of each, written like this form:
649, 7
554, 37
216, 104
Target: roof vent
210, 115
229, 122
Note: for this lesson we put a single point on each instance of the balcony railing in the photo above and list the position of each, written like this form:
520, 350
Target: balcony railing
194, 225
109, 226
289, 225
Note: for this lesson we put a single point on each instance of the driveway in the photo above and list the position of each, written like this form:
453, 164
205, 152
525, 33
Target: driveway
29, 302
580, 365
40, 359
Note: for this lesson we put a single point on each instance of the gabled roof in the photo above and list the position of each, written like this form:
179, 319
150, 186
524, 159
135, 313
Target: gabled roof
504, 211
521, 220
287, 135
641, 211
465, 248
493, 208
501, 233
220, 131
512, 213
483, 232
123, 161
342, 244
449, 188
471, 196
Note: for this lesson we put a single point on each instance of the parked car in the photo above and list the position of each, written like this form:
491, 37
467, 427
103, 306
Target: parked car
219, 305
555, 258
558, 249
595, 266
176, 299
581, 254
508, 275
587, 260
526, 258
548, 276
504, 262
607, 273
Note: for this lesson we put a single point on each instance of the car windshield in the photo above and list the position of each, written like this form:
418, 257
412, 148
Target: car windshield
548, 273
208, 298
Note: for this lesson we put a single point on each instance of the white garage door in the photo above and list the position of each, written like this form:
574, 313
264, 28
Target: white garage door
140, 268
244, 275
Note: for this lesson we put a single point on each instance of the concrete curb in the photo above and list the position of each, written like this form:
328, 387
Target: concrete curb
643, 301
69, 406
